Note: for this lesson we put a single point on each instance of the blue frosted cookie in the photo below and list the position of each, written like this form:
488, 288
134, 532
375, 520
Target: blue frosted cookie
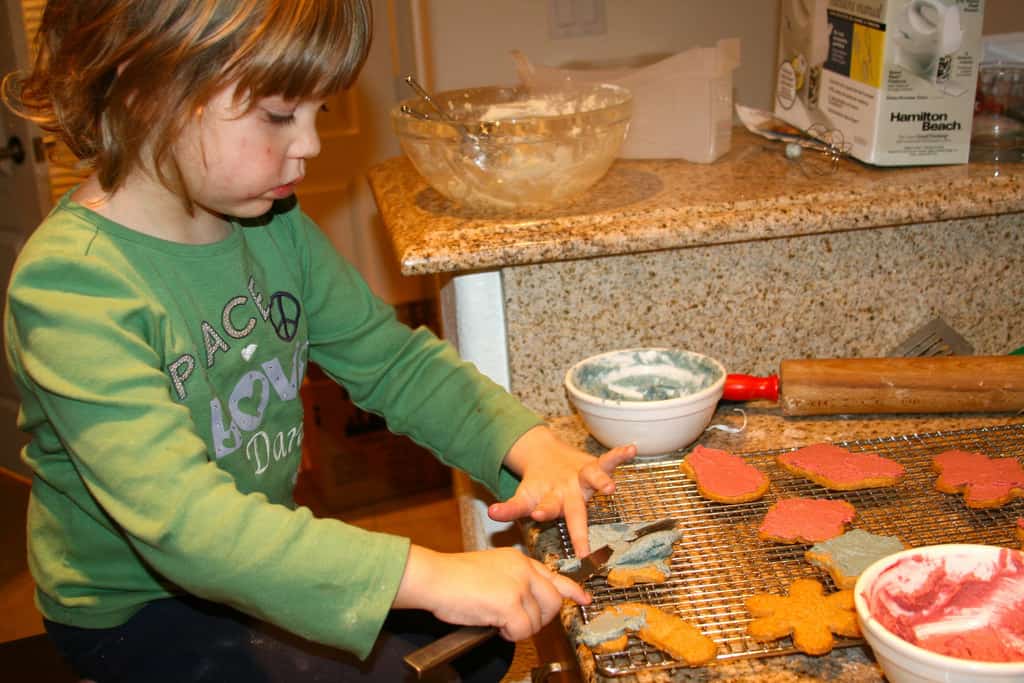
633, 560
845, 557
664, 630
644, 560
609, 631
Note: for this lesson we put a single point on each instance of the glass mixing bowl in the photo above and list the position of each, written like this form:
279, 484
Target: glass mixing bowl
525, 149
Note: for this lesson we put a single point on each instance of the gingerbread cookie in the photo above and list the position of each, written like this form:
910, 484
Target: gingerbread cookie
845, 557
805, 520
723, 477
663, 630
1020, 531
806, 613
838, 469
628, 576
985, 482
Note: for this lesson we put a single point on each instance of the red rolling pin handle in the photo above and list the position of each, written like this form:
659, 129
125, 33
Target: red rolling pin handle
750, 388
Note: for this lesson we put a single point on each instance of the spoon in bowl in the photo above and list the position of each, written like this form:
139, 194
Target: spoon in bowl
471, 143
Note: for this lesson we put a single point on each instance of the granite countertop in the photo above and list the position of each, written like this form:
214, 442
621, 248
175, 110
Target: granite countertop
767, 429
751, 193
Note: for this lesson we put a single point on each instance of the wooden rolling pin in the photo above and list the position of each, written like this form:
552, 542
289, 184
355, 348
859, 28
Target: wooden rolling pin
836, 386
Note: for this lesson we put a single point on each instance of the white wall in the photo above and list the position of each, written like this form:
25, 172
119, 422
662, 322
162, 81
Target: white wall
470, 40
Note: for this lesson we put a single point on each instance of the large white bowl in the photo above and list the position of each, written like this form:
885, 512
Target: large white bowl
904, 662
660, 399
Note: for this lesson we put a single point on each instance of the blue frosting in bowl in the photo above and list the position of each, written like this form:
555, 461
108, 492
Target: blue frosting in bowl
645, 375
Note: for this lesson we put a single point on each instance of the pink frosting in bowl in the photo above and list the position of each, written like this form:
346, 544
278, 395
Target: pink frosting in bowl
945, 613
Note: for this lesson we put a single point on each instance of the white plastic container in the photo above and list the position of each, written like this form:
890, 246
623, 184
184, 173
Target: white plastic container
682, 104
895, 77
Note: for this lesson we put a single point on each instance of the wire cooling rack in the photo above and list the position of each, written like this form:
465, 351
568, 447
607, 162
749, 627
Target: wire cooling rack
720, 561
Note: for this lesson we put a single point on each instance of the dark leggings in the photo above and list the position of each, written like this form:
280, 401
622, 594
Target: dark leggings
185, 640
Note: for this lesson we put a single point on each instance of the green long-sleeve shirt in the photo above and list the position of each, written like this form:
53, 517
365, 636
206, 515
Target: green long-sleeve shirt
160, 384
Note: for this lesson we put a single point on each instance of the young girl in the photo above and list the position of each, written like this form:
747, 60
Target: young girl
158, 325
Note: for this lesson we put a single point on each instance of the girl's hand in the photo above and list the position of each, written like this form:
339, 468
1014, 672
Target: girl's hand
500, 587
557, 480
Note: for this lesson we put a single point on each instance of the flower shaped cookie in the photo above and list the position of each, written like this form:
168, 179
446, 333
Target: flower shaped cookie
807, 614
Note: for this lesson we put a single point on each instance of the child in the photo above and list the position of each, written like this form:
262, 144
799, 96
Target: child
158, 326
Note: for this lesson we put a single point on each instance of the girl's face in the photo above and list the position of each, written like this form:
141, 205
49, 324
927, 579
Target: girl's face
237, 160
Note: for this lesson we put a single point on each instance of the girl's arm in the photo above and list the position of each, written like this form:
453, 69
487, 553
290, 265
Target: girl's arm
500, 587
427, 392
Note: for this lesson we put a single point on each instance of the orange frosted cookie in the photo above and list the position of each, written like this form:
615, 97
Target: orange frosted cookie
806, 613
841, 470
805, 520
724, 477
985, 482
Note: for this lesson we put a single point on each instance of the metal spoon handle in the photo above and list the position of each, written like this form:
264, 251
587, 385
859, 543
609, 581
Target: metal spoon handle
471, 144
409, 111
422, 92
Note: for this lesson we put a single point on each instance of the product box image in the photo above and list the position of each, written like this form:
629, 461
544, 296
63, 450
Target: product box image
895, 79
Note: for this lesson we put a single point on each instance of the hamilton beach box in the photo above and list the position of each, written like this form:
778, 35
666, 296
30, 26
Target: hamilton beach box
895, 77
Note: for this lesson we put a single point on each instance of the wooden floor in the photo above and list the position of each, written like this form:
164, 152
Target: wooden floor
21, 619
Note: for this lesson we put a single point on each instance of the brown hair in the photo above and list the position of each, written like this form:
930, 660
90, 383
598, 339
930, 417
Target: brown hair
117, 78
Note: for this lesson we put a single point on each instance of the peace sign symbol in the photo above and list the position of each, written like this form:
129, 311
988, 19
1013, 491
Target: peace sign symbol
285, 312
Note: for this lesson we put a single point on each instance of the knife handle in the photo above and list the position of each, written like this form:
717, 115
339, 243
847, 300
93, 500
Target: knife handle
448, 647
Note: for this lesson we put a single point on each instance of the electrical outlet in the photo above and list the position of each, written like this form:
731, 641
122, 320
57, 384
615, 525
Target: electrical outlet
576, 18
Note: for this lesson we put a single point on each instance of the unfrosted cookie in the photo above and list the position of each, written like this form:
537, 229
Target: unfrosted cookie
985, 482
805, 520
628, 576
838, 469
663, 630
724, 477
1020, 531
806, 613
845, 557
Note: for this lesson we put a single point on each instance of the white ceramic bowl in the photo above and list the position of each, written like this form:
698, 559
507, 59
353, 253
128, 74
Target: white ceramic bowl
904, 662
661, 399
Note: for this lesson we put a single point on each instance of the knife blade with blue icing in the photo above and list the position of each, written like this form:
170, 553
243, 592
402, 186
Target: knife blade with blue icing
620, 542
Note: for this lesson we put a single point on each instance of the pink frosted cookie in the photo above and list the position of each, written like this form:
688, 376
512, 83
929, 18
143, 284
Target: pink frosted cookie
841, 470
985, 482
724, 477
805, 520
